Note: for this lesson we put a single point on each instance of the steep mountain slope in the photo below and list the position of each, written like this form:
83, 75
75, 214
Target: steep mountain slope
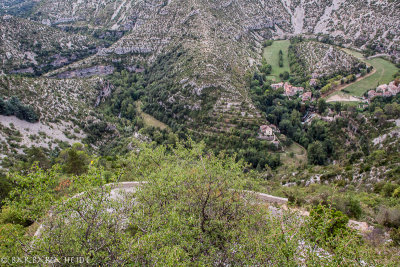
352, 22
17, 7
204, 49
30, 47
65, 109
198, 51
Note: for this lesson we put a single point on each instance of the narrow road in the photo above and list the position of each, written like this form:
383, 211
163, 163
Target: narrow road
344, 86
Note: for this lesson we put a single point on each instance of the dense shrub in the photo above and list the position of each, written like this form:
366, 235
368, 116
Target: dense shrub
349, 206
5, 187
13, 107
395, 236
74, 160
388, 189
389, 217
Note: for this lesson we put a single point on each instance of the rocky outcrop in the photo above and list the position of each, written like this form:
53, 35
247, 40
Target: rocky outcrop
87, 72
212, 44
32, 47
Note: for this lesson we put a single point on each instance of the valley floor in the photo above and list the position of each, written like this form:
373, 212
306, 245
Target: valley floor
271, 54
384, 71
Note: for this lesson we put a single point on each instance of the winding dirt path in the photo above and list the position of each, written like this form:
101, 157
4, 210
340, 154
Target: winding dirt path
344, 86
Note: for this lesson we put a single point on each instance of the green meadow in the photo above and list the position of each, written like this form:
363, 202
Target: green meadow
271, 54
383, 75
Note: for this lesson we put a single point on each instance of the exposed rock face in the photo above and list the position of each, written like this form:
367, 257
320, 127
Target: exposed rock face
87, 72
351, 21
105, 92
17, 7
26, 45
212, 44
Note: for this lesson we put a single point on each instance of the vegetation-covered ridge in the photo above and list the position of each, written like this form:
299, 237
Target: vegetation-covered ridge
319, 60
192, 210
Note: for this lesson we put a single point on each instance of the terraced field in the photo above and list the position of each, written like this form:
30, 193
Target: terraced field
271, 54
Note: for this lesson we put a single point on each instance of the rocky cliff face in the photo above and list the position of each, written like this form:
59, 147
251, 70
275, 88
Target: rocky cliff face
198, 51
17, 7
29, 47
353, 22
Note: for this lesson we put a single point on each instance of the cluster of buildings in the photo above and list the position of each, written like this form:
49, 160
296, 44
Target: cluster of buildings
385, 90
290, 90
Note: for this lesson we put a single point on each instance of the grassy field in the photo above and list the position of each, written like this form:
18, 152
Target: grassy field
148, 119
294, 156
271, 54
383, 75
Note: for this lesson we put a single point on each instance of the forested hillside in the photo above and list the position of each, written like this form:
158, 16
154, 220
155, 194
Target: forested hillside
196, 132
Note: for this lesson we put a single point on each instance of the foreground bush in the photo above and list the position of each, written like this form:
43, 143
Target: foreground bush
191, 211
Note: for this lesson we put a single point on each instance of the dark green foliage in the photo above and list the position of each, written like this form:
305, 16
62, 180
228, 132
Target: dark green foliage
127, 89
268, 43
74, 160
389, 217
316, 153
5, 187
338, 107
160, 87
284, 76
337, 220
395, 236
75, 163
265, 67
13, 107
388, 189
300, 75
287, 114
96, 130
348, 205
35, 155
297, 68
281, 59
322, 105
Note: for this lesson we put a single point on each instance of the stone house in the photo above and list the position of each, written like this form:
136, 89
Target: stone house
276, 86
266, 133
291, 90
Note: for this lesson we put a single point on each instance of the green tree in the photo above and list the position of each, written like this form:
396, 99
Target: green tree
322, 105
285, 75
5, 187
316, 153
338, 107
192, 210
32, 194
37, 155
74, 160
327, 226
